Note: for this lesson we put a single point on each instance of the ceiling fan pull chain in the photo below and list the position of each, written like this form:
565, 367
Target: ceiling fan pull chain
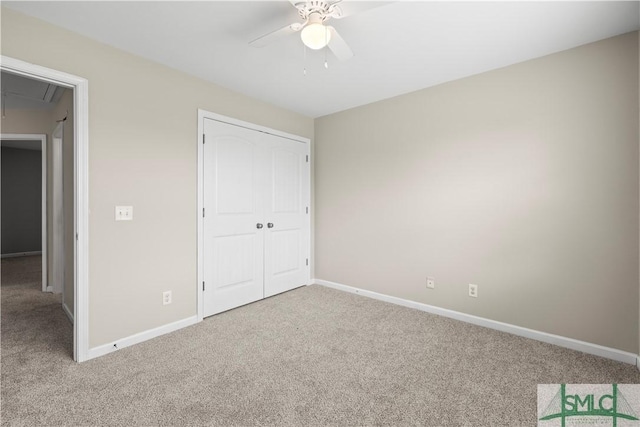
326, 42
304, 61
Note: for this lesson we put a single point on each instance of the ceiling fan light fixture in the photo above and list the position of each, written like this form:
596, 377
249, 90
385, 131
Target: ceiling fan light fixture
315, 36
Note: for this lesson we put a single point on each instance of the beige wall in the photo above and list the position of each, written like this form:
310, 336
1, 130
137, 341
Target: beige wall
142, 152
62, 109
522, 180
35, 122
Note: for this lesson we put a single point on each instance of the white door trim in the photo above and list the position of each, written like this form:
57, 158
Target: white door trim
80, 88
203, 114
43, 143
57, 213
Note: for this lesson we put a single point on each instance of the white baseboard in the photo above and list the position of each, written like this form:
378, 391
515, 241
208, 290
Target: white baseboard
140, 337
67, 312
54, 289
17, 254
585, 347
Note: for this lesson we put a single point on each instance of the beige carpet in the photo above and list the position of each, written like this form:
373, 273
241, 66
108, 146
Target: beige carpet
310, 357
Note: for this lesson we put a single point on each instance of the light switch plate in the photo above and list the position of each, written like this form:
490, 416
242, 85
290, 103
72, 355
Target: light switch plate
124, 213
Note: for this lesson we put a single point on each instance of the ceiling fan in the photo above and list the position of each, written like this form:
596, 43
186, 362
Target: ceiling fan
313, 31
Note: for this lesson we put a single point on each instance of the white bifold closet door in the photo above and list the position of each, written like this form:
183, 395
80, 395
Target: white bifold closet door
256, 221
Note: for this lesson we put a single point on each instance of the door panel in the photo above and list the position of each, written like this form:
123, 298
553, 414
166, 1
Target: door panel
286, 244
235, 181
235, 263
286, 188
237, 269
233, 246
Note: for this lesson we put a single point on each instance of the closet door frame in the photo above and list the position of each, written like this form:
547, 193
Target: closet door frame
202, 116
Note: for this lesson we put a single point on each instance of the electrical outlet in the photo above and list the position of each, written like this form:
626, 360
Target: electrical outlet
431, 282
166, 297
473, 290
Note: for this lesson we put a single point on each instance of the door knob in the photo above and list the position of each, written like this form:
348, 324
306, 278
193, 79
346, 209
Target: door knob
270, 224
258, 225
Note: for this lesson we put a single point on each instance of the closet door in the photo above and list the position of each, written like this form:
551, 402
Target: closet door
233, 229
286, 204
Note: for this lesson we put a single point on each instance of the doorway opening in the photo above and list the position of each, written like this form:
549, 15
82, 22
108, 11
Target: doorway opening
58, 106
37, 212
24, 167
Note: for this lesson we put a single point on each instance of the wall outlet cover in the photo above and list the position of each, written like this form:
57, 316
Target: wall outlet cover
166, 297
473, 290
431, 283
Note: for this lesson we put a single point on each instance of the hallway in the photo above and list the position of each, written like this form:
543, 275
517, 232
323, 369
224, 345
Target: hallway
32, 320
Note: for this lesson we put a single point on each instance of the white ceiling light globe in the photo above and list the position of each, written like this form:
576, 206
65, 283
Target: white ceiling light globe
315, 36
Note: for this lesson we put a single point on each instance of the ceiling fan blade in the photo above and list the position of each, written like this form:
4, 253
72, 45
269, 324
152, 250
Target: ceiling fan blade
344, 8
262, 41
338, 46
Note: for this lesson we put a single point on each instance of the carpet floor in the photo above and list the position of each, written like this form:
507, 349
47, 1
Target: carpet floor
309, 357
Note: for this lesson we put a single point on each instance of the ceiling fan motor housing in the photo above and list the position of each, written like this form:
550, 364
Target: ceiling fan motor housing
318, 9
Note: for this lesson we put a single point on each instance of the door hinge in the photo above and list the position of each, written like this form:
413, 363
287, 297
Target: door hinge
307, 261
203, 138
307, 208
202, 212
76, 236
203, 286
307, 158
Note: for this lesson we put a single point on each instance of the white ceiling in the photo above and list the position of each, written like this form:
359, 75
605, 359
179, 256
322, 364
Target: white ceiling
399, 47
